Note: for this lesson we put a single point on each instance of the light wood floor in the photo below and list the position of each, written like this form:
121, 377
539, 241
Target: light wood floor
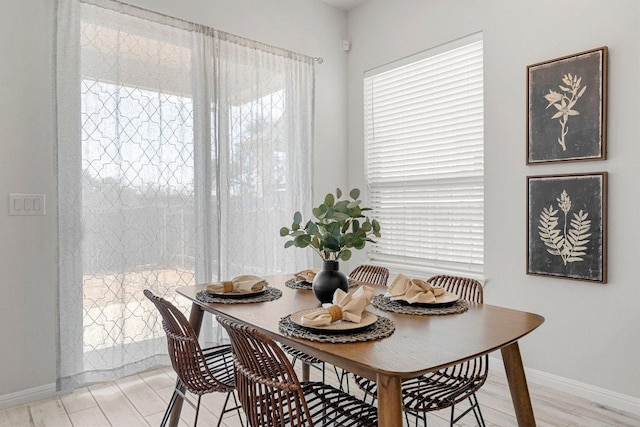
140, 400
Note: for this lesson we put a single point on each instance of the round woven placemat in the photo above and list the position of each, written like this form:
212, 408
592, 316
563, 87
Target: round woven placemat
269, 295
383, 328
291, 283
384, 303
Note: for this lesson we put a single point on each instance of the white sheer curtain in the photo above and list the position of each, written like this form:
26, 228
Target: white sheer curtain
181, 152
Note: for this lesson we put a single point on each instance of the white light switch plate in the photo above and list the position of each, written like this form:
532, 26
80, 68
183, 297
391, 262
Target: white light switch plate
26, 204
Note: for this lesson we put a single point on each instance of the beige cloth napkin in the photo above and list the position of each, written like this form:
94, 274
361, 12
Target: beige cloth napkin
307, 275
241, 285
346, 306
413, 290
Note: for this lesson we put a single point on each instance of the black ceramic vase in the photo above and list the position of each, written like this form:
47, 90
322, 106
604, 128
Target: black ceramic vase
328, 280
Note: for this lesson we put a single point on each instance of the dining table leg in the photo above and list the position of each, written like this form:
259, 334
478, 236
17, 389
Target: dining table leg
518, 385
305, 372
389, 401
195, 319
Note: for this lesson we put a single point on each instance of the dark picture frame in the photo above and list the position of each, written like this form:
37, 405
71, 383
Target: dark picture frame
567, 108
567, 226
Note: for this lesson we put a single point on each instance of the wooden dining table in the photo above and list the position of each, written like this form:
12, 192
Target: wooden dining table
419, 344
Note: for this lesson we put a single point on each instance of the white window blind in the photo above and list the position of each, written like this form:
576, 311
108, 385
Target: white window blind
424, 156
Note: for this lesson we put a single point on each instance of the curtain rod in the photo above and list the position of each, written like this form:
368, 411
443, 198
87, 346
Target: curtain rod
122, 4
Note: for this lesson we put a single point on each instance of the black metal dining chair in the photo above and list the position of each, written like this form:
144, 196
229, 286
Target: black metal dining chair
199, 371
447, 387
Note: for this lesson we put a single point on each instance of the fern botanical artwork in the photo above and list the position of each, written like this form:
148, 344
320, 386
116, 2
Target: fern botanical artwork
567, 108
567, 226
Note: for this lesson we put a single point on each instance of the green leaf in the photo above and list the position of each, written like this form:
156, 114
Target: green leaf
355, 193
297, 217
341, 216
289, 244
334, 228
330, 212
315, 242
338, 193
355, 212
284, 231
321, 211
376, 226
295, 226
332, 244
345, 255
359, 243
355, 225
312, 228
342, 206
303, 241
329, 200
366, 226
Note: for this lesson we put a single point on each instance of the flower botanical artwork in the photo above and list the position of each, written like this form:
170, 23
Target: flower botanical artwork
567, 108
566, 230
564, 102
570, 244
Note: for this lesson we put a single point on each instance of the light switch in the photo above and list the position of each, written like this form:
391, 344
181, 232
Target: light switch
26, 204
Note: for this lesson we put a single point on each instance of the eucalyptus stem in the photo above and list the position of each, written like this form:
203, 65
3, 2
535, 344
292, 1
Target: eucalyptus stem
330, 232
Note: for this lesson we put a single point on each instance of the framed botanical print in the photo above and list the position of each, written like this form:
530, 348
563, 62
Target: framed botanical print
567, 226
567, 108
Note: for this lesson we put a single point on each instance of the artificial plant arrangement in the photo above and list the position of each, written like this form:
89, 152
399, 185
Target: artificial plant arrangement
337, 226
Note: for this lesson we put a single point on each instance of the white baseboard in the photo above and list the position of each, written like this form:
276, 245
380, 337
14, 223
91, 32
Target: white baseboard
586, 391
27, 396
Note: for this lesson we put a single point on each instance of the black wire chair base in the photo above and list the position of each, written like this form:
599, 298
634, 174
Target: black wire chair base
179, 390
435, 391
329, 406
317, 364
421, 417
438, 390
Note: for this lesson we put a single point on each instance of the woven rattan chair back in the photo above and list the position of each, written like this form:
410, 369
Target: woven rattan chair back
269, 390
185, 353
373, 274
465, 288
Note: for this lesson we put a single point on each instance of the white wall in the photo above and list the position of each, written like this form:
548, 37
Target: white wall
28, 249
592, 331
28, 258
